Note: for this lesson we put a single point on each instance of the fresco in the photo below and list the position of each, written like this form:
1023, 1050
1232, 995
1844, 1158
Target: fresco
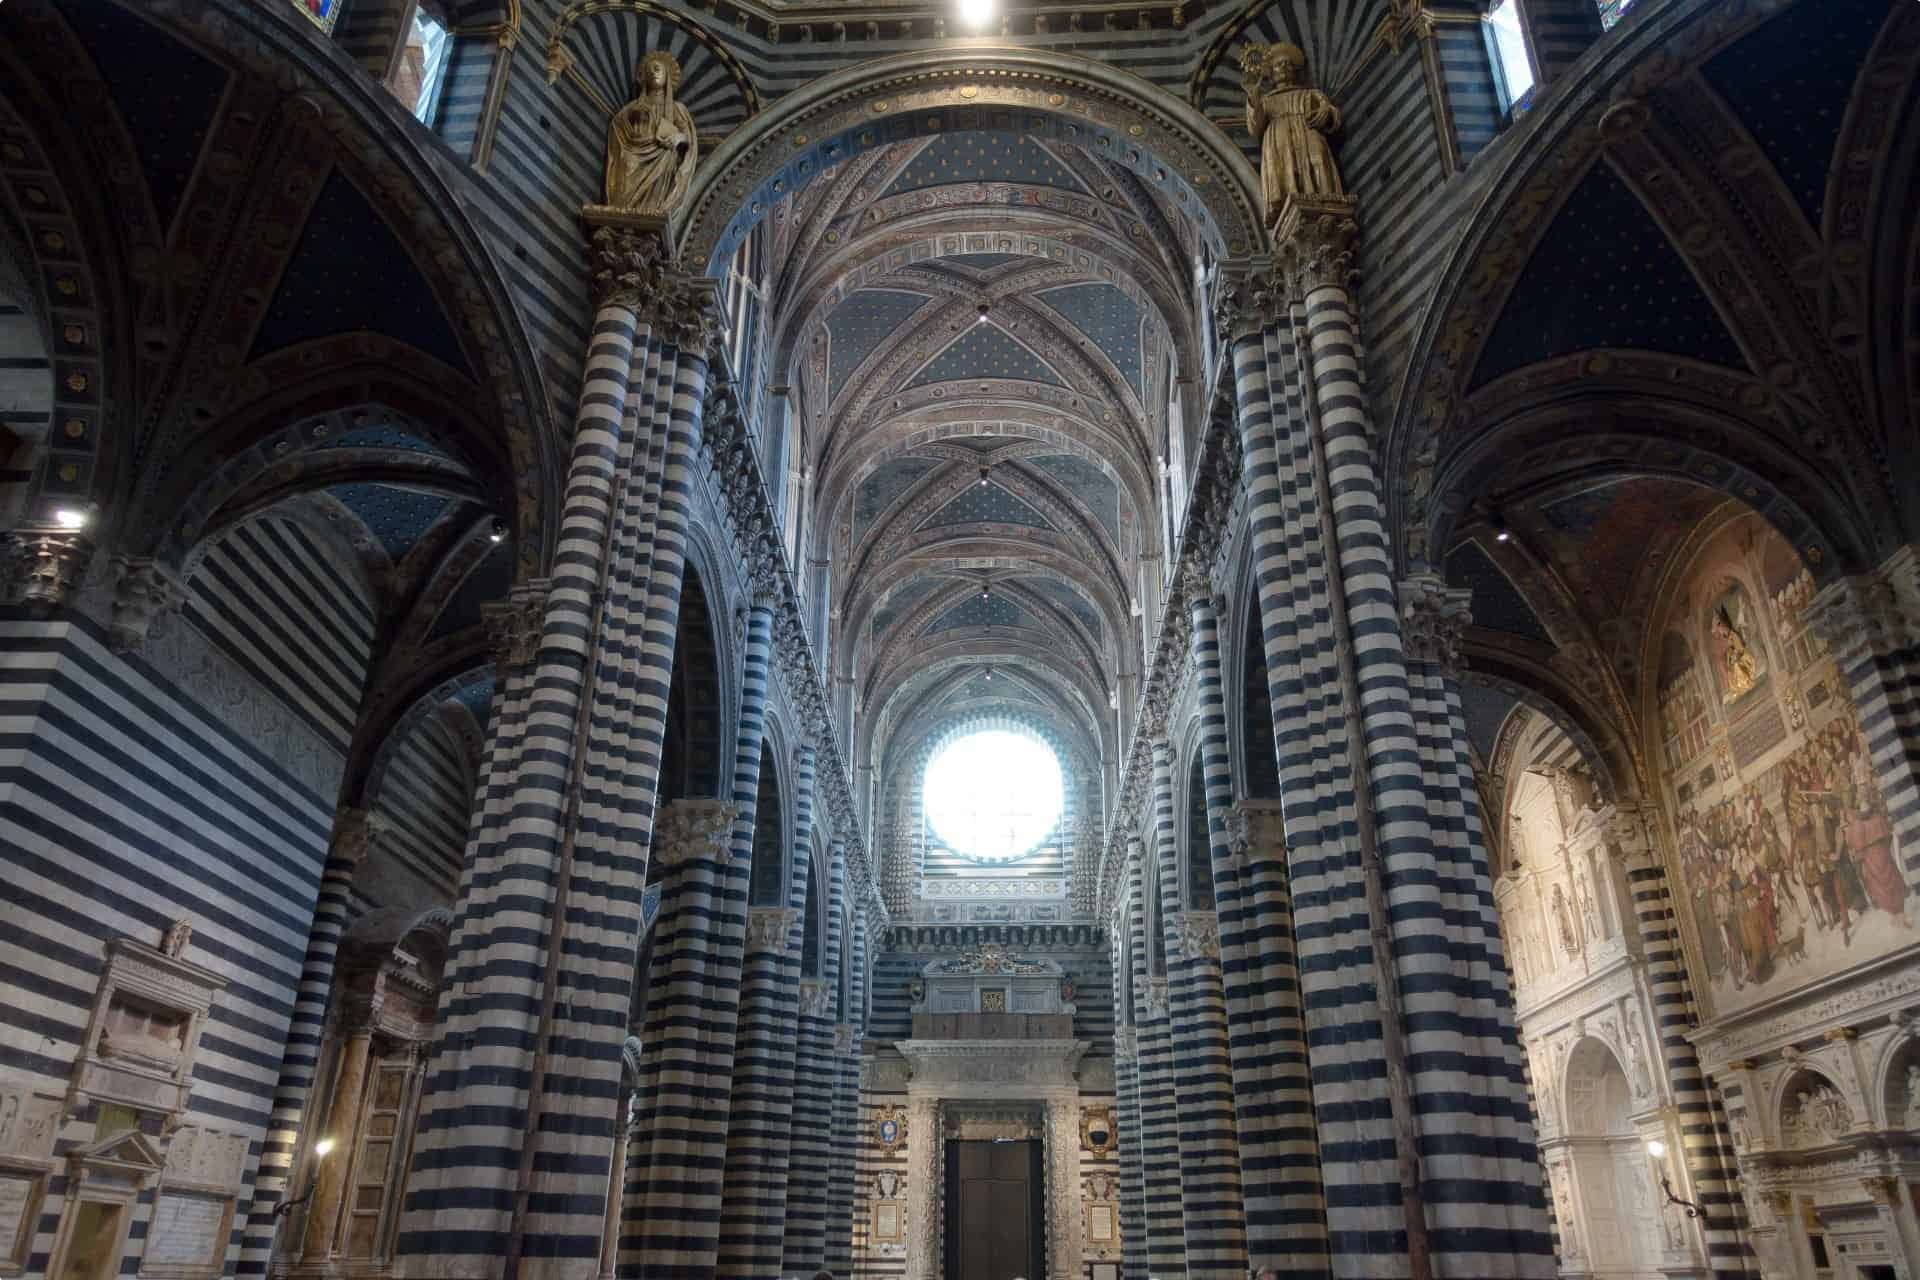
1788, 863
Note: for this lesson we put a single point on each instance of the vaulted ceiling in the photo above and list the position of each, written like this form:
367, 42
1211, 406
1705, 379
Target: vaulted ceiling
986, 330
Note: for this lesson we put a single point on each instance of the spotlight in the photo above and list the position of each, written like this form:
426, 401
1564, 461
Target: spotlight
1657, 1149
989, 673
70, 518
983, 477
323, 1148
497, 531
985, 592
975, 13
1499, 522
985, 307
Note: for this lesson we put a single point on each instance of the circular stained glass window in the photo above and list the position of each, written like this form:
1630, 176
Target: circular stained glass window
993, 795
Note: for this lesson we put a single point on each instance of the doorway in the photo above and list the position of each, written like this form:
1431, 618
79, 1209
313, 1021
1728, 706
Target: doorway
994, 1215
93, 1251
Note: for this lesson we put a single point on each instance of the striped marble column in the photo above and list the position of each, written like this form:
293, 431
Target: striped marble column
1126, 1087
1212, 1215
676, 1170
517, 1131
353, 835
846, 1096
1871, 625
1340, 963
1481, 1193
1273, 1084
1706, 1146
754, 1208
811, 1152
1432, 619
1159, 1145
1271, 1090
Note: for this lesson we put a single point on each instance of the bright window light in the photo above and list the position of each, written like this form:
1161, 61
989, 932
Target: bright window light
992, 796
1510, 47
423, 65
975, 13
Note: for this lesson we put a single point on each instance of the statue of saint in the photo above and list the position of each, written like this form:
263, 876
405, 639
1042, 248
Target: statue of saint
1292, 121
1737, 660
651, 144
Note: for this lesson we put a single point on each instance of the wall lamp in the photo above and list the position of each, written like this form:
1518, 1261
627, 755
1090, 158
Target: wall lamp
321, 1150
1658, 1150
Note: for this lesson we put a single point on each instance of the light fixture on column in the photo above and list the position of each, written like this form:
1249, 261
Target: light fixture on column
1658, 1150
985, 309
321, 1150
1498, 523
497, 531
975, 13
71, 517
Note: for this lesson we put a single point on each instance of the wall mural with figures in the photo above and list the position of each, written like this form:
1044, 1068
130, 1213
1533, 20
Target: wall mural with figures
1784, 845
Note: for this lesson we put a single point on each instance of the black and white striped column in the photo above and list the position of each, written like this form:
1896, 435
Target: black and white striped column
754, 1208
676, 1170
1158, 1149
846, 1097
353, 835
1340, 977
1212, 1220
516, 1139
1706, 1146
812, 1147
1271, 1090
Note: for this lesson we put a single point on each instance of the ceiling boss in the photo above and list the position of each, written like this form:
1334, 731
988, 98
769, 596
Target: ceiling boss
651, 144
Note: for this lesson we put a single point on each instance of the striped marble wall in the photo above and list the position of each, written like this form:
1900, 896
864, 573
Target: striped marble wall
1080, 949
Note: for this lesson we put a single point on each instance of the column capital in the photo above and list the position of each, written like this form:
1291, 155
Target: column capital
844, 1038
1250, 301
1156, 997
47, 565
514, 625
1433, 616
631, 264
816, 998
1198, 934
1861, 617
1315, 243
144, 592
1256, 824
1125, 1043
690, 829
355, 831
768, 929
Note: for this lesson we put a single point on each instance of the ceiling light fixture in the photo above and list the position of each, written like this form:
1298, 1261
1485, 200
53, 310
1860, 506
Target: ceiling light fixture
497, 531
1499, 522
985, 307
983, 477
70, 518
975, 13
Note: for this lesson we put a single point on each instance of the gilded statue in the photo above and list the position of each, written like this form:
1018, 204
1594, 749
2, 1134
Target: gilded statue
1738, 662
651, 144
1292, 120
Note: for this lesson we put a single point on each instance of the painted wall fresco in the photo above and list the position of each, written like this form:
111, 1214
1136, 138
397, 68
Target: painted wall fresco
1788, 865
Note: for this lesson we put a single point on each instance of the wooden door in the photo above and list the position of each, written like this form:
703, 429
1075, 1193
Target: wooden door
993, 1211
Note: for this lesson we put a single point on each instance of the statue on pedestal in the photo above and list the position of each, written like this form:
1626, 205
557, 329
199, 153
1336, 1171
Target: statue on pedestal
651, 144
1292, 120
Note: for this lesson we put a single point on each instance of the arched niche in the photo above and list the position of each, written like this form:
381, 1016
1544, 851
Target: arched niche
1604, 1189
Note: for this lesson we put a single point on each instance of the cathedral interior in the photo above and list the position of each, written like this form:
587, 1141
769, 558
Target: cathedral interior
960, 639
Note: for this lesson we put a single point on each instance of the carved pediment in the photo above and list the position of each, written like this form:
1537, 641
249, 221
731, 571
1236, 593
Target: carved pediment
127, 1154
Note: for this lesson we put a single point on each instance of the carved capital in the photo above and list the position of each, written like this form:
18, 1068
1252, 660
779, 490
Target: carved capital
514, 625
1156, 997
1125, 1043
1432, 618
844, 1038
631, 264
1315, 243
1249, 303
768, 929
144, 592
766, 576
355, 831
1198, 934
1860, 618
816, 998
693, 829
47, 564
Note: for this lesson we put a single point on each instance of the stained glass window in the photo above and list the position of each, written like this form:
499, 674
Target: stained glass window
1611, 11
993, 796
